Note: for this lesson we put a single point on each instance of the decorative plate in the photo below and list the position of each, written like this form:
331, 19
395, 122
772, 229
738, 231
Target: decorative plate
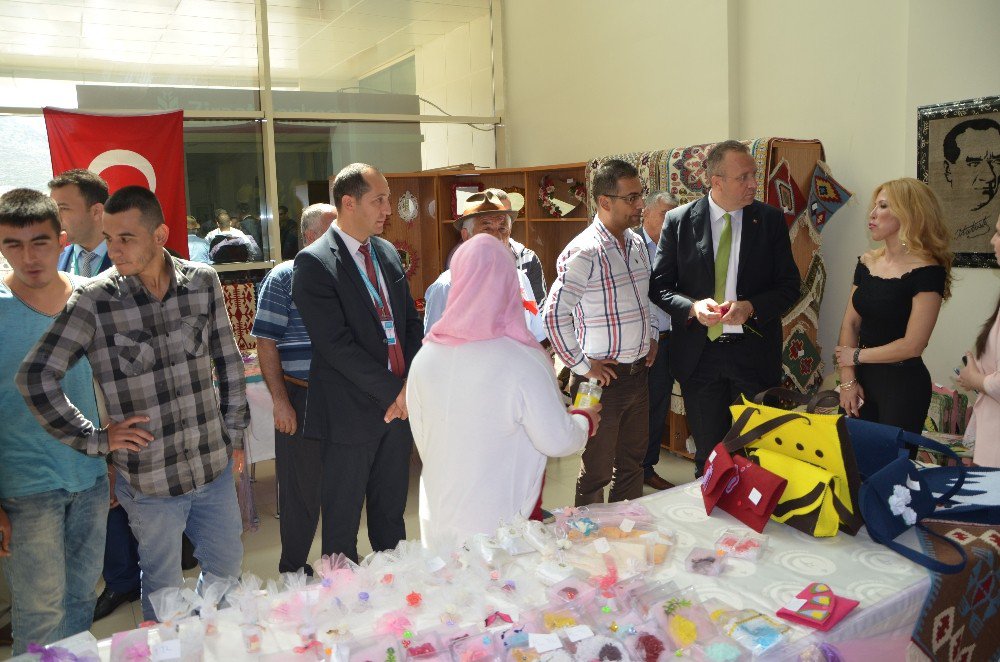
408, 207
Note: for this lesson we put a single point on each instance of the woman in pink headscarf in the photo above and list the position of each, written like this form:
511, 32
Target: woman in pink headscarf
483, 402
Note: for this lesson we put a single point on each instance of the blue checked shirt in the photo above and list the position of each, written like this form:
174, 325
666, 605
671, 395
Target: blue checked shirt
278, 319
149, 357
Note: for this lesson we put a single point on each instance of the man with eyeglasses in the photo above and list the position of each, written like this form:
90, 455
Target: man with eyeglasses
724, 273
484, 213
599, 319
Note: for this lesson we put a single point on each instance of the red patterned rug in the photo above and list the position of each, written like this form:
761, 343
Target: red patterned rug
960, 620
241, 304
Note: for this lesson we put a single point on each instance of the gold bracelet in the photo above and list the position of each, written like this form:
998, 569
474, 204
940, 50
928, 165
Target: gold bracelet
847, 386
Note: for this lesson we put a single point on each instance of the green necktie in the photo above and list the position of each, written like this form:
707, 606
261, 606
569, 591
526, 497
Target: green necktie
721, 270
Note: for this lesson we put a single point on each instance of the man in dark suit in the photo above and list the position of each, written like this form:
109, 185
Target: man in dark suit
352, 294
80, 196
724, 273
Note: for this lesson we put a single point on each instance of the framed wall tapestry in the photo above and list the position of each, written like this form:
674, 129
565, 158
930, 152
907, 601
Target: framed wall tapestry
958, 155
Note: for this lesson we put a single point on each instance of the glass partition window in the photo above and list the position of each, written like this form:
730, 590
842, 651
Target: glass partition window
364, 58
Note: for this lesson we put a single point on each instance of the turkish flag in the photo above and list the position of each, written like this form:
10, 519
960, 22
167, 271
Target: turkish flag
125, 150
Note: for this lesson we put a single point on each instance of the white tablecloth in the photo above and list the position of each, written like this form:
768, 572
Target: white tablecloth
891, 589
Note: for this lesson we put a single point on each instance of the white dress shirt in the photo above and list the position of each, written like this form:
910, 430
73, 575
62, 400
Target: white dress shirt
736, 224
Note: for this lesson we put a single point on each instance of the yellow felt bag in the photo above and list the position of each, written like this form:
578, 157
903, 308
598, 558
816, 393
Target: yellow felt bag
812, 451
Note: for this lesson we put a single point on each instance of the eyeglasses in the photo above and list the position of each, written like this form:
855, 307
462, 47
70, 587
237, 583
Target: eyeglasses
629, 199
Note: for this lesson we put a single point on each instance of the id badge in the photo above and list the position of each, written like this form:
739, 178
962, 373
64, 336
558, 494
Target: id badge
390, 331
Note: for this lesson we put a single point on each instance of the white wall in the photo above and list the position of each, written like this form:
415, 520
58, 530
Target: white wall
590, 77
455, 72
653, 75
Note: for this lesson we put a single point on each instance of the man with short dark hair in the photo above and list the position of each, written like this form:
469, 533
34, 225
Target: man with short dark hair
153, 329
53, 496
599, 320
285, 354
724, 273
661, 383
972, 159
80, 195
352, 293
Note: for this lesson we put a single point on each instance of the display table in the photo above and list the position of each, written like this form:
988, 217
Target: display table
891, 589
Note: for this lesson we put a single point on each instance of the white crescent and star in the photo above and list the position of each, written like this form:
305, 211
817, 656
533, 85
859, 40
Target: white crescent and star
126, 157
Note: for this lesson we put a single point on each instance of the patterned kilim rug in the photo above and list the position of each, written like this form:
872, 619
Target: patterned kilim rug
826, 196
241, 304
961, 616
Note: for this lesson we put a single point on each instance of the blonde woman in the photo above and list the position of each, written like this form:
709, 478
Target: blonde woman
894, 304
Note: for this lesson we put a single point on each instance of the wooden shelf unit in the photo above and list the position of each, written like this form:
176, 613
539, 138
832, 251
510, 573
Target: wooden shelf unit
433, 237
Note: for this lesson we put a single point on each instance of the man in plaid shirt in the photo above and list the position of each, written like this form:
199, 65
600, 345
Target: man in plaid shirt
599, 319
152, 329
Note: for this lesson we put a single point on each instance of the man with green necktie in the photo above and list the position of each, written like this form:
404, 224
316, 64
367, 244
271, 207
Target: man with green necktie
724, 273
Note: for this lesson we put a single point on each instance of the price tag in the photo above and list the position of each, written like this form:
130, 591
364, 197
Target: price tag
601, 546
795, 604
543, 643
435, 564
913, 484
755, 496
167, 650
626, 525
579, 633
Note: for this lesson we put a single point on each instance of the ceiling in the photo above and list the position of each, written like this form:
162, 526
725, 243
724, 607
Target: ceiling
314, 44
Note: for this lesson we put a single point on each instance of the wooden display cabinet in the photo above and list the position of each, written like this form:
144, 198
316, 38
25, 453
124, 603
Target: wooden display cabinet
433, 237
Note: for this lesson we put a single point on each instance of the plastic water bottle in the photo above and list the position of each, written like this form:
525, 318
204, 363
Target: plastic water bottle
589, 394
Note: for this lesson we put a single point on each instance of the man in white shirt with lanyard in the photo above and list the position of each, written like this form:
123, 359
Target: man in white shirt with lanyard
351, 291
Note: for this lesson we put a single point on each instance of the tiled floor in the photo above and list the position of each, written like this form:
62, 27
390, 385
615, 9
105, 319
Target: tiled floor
262, 548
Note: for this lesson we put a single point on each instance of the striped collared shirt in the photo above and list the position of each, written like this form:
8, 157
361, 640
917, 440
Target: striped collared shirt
278, 319
598, 307
149, 357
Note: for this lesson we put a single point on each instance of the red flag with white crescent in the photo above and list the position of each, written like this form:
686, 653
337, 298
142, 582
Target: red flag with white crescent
125, 150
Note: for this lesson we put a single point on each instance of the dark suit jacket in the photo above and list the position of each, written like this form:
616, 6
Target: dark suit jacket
66, 261
684, 272
350, 385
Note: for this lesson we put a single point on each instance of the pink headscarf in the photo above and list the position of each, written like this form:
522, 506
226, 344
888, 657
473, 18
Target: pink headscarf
485, 297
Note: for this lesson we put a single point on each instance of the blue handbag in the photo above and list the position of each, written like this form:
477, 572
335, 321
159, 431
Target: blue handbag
897, 496
977, 501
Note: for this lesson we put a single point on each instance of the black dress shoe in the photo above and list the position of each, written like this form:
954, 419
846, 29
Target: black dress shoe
110, 600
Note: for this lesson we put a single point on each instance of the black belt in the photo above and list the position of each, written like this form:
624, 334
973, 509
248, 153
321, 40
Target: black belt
630, 368
729, 338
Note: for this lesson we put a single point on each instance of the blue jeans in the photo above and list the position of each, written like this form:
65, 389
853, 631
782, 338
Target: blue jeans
57, 549
210, 515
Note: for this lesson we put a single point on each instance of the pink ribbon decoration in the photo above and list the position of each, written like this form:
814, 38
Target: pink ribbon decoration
137, 653
497, 616
312, 645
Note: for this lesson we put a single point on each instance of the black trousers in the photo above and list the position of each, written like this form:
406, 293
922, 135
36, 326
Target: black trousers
723, 373
299, 467
121, 553
661, 384
896, 394
374, 475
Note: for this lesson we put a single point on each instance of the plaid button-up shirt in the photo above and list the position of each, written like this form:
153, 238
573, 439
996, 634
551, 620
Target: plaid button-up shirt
149, 357
598, 307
